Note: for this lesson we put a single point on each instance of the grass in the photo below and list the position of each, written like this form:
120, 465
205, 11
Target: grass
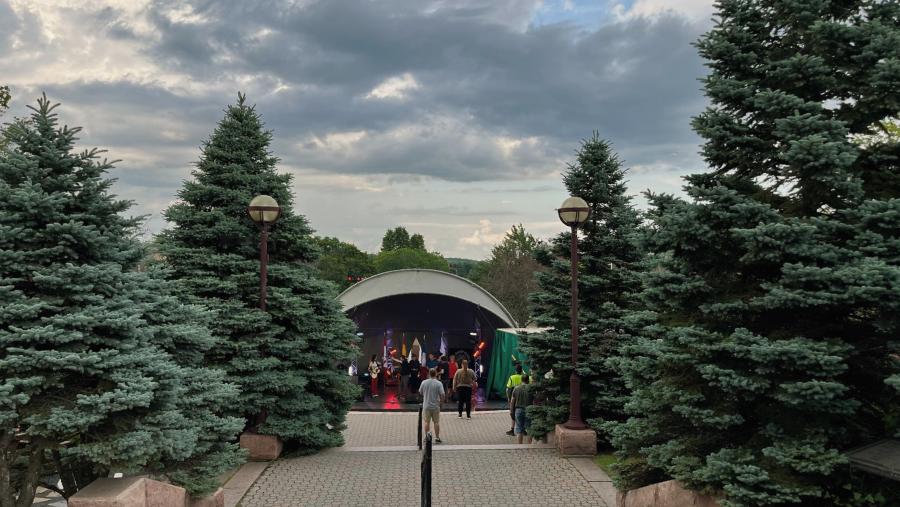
604, 461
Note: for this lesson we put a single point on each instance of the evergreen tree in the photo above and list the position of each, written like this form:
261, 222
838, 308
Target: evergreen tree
777, 281
608, 283
87, 384
285, 360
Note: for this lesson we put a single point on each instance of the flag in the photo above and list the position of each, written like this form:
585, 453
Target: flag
443, 344
403, 349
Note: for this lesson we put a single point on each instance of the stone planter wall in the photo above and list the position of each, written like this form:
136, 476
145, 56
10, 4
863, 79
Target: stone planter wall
140, 492
664, 494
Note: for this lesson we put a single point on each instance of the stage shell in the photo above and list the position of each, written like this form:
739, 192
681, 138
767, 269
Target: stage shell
422, 281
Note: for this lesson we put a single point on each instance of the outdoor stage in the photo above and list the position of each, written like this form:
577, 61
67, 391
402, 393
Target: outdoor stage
388, 402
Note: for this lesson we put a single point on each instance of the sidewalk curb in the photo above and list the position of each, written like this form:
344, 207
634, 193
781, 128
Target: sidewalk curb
597, 478
242, 480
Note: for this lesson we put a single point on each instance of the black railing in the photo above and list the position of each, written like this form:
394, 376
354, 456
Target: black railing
426, 472
419, 438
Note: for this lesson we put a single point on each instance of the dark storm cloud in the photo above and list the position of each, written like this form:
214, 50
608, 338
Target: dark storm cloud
634, 81
495, 97
9, 23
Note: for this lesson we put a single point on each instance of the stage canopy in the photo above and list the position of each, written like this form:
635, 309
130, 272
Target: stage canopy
423, 281
443, 312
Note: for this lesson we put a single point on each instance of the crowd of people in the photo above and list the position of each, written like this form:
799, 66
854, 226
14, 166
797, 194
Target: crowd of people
441, 378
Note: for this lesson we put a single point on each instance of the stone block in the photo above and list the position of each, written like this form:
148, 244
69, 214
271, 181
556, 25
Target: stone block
162, 494
216, 499
127, 492
261, 447
571, 442
665, 494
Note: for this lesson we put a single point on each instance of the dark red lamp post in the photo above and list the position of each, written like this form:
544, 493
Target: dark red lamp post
574, 212
264, 211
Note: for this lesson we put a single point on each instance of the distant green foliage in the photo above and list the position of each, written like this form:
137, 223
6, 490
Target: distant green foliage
398, 237
509, 274
609, 269
99, 366
284, 360
342, 263
463, 267
408, 258
773, 306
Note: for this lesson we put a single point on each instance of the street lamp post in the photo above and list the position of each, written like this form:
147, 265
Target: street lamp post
574, 212
264, 210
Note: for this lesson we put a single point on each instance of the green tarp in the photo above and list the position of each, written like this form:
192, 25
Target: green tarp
504, 353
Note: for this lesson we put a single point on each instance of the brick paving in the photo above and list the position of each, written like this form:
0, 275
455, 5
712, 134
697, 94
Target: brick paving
344, 479
481, 476
370, 429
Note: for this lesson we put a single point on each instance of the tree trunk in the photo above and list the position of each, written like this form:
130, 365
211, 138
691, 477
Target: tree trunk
7, 495
32, 474
69, 486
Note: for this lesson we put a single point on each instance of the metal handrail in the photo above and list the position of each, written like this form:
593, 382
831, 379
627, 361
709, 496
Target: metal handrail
426, 472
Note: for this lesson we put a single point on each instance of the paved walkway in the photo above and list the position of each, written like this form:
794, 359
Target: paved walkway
368, 429
475, 466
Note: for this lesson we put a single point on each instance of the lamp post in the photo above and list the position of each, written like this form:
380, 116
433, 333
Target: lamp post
264, 210
574, 212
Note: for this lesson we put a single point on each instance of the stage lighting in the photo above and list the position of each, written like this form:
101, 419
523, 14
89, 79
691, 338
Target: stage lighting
359, 333
473, 333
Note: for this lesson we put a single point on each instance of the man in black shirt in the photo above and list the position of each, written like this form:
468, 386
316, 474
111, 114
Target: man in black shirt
443, 372
403, 389
414, 366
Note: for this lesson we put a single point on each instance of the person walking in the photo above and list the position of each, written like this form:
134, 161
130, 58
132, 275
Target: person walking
432, 392
519, 401
403, 389
514, 380
374, 370
462, 385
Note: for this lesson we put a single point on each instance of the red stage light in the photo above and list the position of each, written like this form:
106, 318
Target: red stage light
481, 346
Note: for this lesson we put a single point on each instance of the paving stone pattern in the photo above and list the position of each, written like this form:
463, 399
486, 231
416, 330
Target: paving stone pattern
479, 477
370, 429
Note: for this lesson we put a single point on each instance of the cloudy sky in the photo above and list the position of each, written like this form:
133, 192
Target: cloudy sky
452, 118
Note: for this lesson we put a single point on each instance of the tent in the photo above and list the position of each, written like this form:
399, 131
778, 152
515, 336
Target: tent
503, 356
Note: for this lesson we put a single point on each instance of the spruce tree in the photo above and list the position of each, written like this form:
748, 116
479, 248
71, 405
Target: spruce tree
777, 283
284, 360
608, 283
85, 384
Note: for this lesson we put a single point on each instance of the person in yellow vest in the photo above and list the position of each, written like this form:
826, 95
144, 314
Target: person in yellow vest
514, 381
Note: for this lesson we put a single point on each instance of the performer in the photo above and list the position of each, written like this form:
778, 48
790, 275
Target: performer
374, 370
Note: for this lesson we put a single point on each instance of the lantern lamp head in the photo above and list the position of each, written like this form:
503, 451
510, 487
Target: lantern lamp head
264, 209
574, 211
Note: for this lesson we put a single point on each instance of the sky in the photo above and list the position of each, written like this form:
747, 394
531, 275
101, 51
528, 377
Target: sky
452, 118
